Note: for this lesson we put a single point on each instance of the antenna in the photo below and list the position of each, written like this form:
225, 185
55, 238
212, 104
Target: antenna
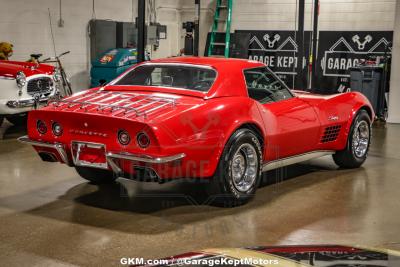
52, 35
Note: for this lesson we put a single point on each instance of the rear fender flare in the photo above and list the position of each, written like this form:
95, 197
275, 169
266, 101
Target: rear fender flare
236, 126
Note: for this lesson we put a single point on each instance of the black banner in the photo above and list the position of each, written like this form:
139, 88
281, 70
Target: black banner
279, 51
337, 52
340, 50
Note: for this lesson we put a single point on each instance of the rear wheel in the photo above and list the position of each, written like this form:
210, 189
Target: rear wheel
18, 119
356, 151
238, 173
96, 176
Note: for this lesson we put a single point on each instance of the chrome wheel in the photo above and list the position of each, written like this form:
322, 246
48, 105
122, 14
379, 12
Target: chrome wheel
244, 166
361, 137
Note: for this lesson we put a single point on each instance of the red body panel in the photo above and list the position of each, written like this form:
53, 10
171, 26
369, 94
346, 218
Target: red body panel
11, 68
198, 124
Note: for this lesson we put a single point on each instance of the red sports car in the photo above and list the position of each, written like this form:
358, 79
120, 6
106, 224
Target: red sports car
226, 120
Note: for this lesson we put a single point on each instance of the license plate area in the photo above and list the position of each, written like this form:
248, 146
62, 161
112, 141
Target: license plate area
89, 155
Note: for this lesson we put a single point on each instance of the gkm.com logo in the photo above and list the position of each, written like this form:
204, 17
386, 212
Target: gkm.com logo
213, 261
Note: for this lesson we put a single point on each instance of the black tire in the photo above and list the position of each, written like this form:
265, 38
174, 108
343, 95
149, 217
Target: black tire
18, 119
351, 157
223, 188
1, 120
96, 176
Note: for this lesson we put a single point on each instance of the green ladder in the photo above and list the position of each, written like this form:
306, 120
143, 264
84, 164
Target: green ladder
227, 6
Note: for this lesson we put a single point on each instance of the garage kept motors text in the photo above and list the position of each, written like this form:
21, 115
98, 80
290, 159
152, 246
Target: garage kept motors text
204, 261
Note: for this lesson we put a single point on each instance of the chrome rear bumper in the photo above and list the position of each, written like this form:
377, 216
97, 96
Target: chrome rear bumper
140, 158
110, 156
57, 146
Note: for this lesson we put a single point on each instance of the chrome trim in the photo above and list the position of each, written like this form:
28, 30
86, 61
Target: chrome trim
244, 167
115, 168
360, 141
82, 163
6, 78
124, 104
57, 146
179, 64
146, 159
110, 156
276, 164
24, 103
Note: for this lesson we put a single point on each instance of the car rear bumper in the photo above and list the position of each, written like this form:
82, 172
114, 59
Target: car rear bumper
114, 159
58, 147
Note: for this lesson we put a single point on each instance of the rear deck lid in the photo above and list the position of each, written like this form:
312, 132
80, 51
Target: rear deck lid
132, 105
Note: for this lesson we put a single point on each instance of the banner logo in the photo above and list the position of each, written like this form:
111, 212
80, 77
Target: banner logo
277, 51
361, 45
345, 54
271, 43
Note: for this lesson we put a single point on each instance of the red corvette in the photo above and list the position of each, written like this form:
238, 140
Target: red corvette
226, 120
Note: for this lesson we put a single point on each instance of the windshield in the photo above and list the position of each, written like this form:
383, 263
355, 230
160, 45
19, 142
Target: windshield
183, 77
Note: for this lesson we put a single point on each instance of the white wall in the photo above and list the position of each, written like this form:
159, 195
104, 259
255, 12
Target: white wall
339, 15
394, 97
169, 13
25, 23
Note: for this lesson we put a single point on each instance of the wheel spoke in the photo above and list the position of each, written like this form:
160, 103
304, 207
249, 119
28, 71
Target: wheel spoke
244, 167
361, 136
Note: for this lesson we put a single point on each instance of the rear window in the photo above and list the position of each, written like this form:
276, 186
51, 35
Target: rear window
183, 77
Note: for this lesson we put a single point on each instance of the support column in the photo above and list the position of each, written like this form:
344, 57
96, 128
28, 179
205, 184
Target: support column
394, 95
141, 45
300, 84
196, 28
314, 70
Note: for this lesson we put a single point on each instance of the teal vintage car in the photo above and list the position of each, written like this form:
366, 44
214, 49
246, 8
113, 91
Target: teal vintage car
111, 64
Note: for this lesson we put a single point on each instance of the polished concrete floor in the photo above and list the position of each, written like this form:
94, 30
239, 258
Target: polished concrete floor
50, 216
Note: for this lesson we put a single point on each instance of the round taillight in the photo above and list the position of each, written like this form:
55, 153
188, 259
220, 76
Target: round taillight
143, 140
57, 129
124, 138
41, 127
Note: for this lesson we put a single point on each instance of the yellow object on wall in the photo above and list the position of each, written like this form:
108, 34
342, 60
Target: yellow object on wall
6, 50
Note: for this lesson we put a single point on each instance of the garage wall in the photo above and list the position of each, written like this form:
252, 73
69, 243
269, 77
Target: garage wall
169, 12
394, 95
335, 15
338, 15
25, 23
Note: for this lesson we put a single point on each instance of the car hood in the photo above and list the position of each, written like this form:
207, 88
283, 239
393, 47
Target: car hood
316, 255
11, 68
